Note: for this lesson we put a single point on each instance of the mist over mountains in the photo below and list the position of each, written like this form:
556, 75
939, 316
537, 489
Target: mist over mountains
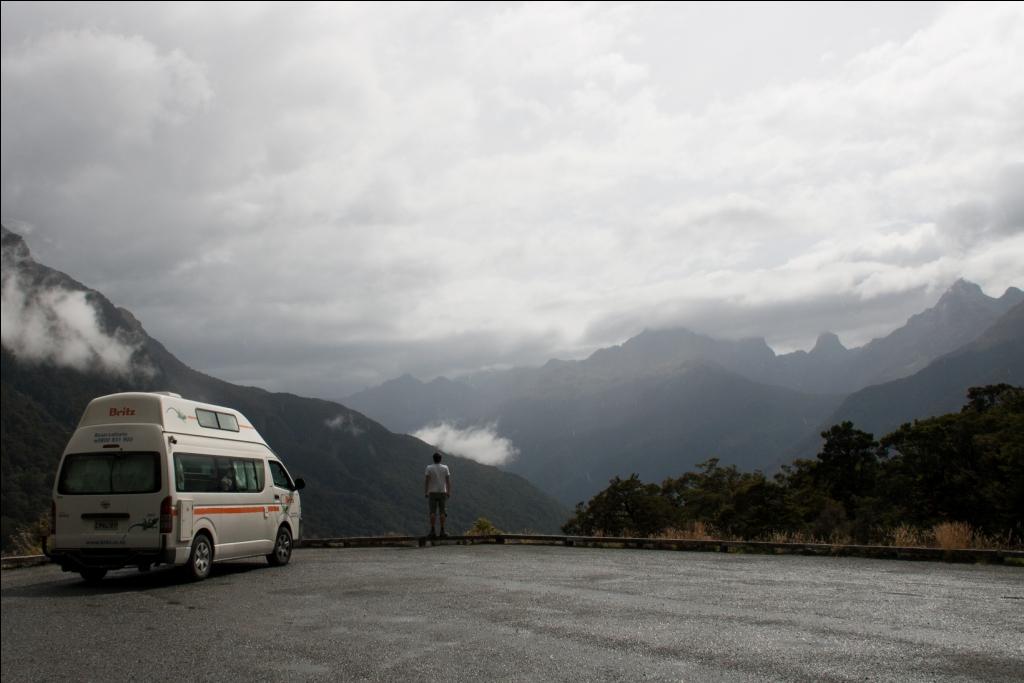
64, 344
996, 357
655, 405
667, 399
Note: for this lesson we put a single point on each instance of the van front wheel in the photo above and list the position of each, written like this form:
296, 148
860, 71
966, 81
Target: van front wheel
200, 560
282, 548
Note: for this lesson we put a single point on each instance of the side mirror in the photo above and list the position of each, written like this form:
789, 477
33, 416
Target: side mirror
300, 484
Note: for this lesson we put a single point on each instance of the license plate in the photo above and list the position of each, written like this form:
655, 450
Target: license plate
106, 525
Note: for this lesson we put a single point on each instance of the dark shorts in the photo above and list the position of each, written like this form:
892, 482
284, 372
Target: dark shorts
438, 502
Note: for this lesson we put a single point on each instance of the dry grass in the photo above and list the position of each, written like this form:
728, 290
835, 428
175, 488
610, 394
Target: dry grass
793, 537
840, 538
948, 536
694, 531
24, 543
482, 527
906, 536
28, 539
953, 535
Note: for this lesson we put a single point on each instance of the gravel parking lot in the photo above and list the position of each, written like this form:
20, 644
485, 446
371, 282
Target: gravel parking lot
521, 613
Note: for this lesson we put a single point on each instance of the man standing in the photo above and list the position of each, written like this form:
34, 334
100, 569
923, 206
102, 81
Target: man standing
437, 487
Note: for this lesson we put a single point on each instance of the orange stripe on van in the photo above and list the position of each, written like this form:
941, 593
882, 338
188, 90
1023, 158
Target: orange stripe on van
233, 510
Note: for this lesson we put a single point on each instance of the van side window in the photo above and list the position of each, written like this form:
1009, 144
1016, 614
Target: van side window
212, 420
281, 478
226, 475
245, 475
259, 473
227, 422
207, 418
195, 472
179, 475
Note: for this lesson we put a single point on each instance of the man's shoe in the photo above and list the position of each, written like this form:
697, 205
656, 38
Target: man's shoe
443, 534
432, 534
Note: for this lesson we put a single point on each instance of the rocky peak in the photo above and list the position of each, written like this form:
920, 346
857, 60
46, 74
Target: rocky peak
14, 247
961, 292
966, 301
828, 344
1011, 297
405, 381
755, 347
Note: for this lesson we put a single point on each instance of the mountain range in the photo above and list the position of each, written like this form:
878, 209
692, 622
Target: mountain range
667, 399
996, 357
655, 405
65, 344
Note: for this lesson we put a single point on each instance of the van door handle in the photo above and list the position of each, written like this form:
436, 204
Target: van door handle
277, 497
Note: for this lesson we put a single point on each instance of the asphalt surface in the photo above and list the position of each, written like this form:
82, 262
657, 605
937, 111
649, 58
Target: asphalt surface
523, 613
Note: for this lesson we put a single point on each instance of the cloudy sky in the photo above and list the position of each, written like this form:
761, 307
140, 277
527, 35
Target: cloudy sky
317, 198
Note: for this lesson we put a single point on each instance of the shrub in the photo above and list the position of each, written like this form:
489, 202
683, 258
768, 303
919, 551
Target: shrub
482, 527
791, 537
831, 522
694, 531
906, 536
953, 535
626, 507
28, 538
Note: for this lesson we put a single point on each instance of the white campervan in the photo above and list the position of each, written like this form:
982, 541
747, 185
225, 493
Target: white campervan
152, 478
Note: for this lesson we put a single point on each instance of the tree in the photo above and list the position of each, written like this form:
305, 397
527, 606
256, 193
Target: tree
736, 503
966, 467
626, 506
982, 399
847, 465
961, 467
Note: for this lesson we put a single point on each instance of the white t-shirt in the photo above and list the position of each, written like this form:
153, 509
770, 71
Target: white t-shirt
437, 474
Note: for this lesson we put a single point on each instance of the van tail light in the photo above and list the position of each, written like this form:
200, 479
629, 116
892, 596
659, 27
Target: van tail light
166, 516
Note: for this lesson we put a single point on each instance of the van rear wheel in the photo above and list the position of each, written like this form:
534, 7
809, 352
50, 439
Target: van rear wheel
93, 575
282, 548
200, 560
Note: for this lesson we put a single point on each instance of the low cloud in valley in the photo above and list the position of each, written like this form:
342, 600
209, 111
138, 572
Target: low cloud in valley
480, 443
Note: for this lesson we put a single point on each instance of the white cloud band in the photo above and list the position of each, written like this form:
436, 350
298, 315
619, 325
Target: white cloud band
482, 443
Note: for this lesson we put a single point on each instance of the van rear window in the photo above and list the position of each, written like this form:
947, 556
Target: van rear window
110, 473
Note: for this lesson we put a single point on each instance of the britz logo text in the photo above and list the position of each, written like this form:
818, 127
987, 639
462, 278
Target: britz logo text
121, 412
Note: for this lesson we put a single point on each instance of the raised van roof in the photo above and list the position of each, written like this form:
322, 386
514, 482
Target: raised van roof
173, 413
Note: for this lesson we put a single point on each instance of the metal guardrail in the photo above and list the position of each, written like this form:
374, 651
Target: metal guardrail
981, 555
992, 556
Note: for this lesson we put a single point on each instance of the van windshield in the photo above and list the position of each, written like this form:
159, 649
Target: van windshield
110, 473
